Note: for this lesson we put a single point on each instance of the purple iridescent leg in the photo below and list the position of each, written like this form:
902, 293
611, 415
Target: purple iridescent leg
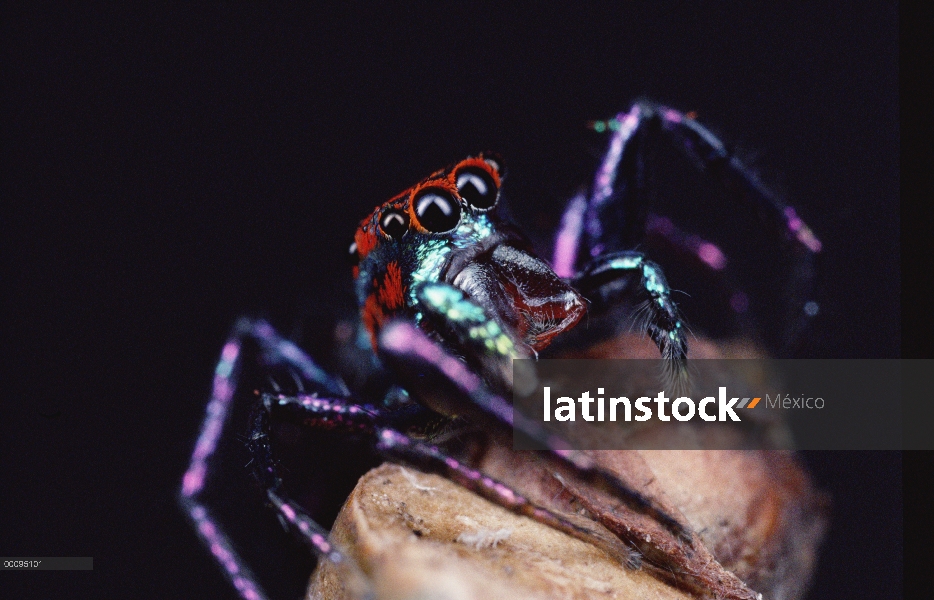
313, 412
396, 447
613, 216
401, 448
274, 350
448, 386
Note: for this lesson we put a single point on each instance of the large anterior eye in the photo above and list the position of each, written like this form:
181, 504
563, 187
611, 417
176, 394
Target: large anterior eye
477, 187
394, 223
437, 210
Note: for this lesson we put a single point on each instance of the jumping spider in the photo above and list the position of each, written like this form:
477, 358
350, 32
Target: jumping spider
449, 293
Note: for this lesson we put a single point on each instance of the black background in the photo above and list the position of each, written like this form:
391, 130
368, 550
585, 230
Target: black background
170, 168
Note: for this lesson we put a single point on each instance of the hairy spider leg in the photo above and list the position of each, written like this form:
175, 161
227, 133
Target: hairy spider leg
308, 411
612, 276
275, 350
397, 447
209, 531
613, 217
448, 386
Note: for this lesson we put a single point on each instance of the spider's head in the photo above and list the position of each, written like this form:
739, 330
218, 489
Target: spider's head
445, 230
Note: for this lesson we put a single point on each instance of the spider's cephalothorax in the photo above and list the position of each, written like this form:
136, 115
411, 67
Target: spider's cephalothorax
449, 293
417, 253
439, 256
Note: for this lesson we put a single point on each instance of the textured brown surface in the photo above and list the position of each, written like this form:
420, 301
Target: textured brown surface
417, 535
403, 527
756, 511
756, 519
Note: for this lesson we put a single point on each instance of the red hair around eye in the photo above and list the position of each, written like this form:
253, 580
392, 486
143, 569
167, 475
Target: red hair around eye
480, 163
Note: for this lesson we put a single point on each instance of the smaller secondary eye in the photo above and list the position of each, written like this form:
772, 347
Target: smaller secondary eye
437, 211
394, 223
352, 255
477, 187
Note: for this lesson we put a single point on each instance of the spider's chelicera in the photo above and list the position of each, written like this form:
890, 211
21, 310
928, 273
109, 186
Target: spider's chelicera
449, 293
